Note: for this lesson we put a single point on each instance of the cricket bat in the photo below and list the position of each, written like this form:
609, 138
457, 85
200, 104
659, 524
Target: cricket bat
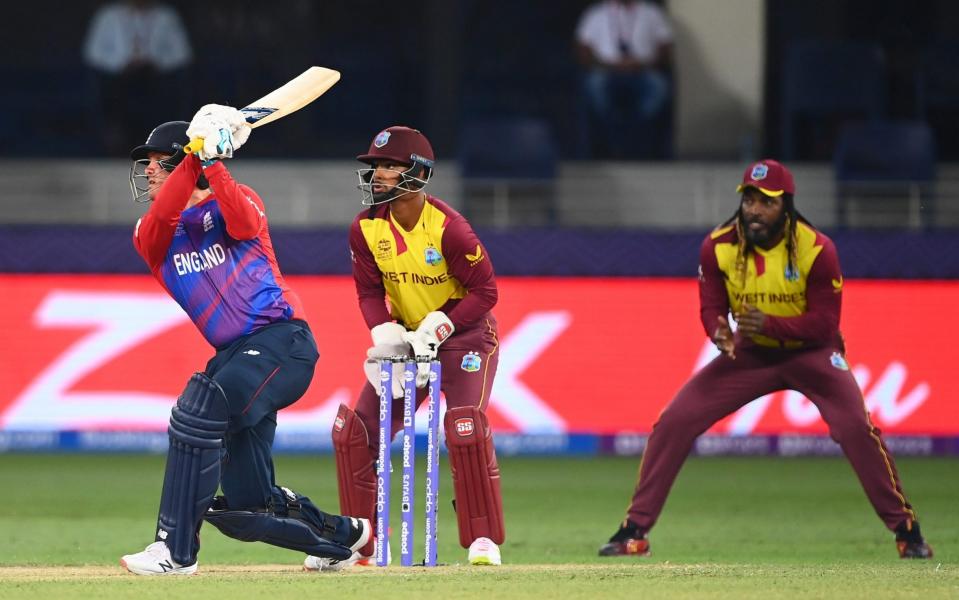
289, 98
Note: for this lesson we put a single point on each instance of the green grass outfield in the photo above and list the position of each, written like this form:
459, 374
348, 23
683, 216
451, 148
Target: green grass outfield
733, 528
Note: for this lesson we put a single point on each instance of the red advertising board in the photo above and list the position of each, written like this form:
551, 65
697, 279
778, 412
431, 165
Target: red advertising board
577, 355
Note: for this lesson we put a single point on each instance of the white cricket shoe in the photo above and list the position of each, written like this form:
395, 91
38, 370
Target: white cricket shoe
155, 560
483, 551
319, 563
360, 533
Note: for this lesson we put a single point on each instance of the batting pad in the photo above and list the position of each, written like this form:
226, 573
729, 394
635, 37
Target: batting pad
197, 425
285, 532
476, 480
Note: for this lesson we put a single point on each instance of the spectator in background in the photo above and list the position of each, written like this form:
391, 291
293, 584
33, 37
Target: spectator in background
139, 52
625, 49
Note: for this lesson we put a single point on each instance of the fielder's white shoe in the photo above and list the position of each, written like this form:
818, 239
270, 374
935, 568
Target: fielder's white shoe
483, 551
155, 560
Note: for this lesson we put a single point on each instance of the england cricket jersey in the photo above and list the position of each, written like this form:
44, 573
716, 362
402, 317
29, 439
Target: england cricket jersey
802, 303
438, 265
215, 258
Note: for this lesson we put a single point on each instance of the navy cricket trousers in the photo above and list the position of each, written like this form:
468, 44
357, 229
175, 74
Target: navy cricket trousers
260, 373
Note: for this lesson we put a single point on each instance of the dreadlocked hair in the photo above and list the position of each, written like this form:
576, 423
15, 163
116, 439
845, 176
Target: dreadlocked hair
742, 250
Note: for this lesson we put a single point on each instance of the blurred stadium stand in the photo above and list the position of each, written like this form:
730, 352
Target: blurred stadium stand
825, 83
508, 164
450, 64
888, 162
937, 92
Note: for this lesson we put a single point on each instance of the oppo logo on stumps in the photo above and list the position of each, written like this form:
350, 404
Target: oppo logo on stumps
442, 331
464, 427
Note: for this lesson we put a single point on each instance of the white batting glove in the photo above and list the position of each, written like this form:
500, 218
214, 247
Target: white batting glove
218, 141
233, 117
223, 129
434, 329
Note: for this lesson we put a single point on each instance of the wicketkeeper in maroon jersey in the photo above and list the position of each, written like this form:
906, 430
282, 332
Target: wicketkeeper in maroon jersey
780, 277
412, 250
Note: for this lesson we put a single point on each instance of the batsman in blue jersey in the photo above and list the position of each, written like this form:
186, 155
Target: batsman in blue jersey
206, 241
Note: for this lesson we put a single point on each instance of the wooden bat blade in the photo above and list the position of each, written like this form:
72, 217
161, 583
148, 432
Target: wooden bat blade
288, 98
291, 97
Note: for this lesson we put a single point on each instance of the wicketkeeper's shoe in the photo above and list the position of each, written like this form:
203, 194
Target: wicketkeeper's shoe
629, 540
484, 551
909, 541
155, 560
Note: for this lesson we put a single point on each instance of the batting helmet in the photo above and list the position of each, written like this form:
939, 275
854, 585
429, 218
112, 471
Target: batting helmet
166, 138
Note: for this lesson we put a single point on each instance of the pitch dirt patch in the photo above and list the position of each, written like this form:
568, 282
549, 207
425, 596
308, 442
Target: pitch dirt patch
87, 572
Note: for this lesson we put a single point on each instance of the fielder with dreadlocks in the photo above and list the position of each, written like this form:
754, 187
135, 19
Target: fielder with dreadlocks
780, 278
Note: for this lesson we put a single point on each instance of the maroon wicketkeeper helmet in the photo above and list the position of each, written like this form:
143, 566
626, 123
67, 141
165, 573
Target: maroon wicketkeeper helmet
402, 145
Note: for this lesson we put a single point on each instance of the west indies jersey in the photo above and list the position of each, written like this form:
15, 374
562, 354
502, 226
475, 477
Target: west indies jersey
439, 265
802, 305
215, 258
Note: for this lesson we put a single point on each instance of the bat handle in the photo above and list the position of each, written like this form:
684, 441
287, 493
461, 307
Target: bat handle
194, 145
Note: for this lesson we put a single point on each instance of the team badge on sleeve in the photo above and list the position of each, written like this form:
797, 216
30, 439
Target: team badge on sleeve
471, 362
838, 361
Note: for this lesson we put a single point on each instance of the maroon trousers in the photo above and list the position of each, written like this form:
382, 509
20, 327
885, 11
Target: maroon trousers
725, 385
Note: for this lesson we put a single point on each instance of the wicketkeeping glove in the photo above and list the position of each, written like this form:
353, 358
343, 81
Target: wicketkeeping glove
388, 333
434, 329
388, 342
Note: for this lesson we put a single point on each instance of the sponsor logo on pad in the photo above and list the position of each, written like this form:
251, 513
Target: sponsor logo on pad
464, 427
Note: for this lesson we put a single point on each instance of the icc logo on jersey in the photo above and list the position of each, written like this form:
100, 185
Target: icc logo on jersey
433, 257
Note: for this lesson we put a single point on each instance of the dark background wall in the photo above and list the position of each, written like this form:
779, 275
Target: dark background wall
435, 64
